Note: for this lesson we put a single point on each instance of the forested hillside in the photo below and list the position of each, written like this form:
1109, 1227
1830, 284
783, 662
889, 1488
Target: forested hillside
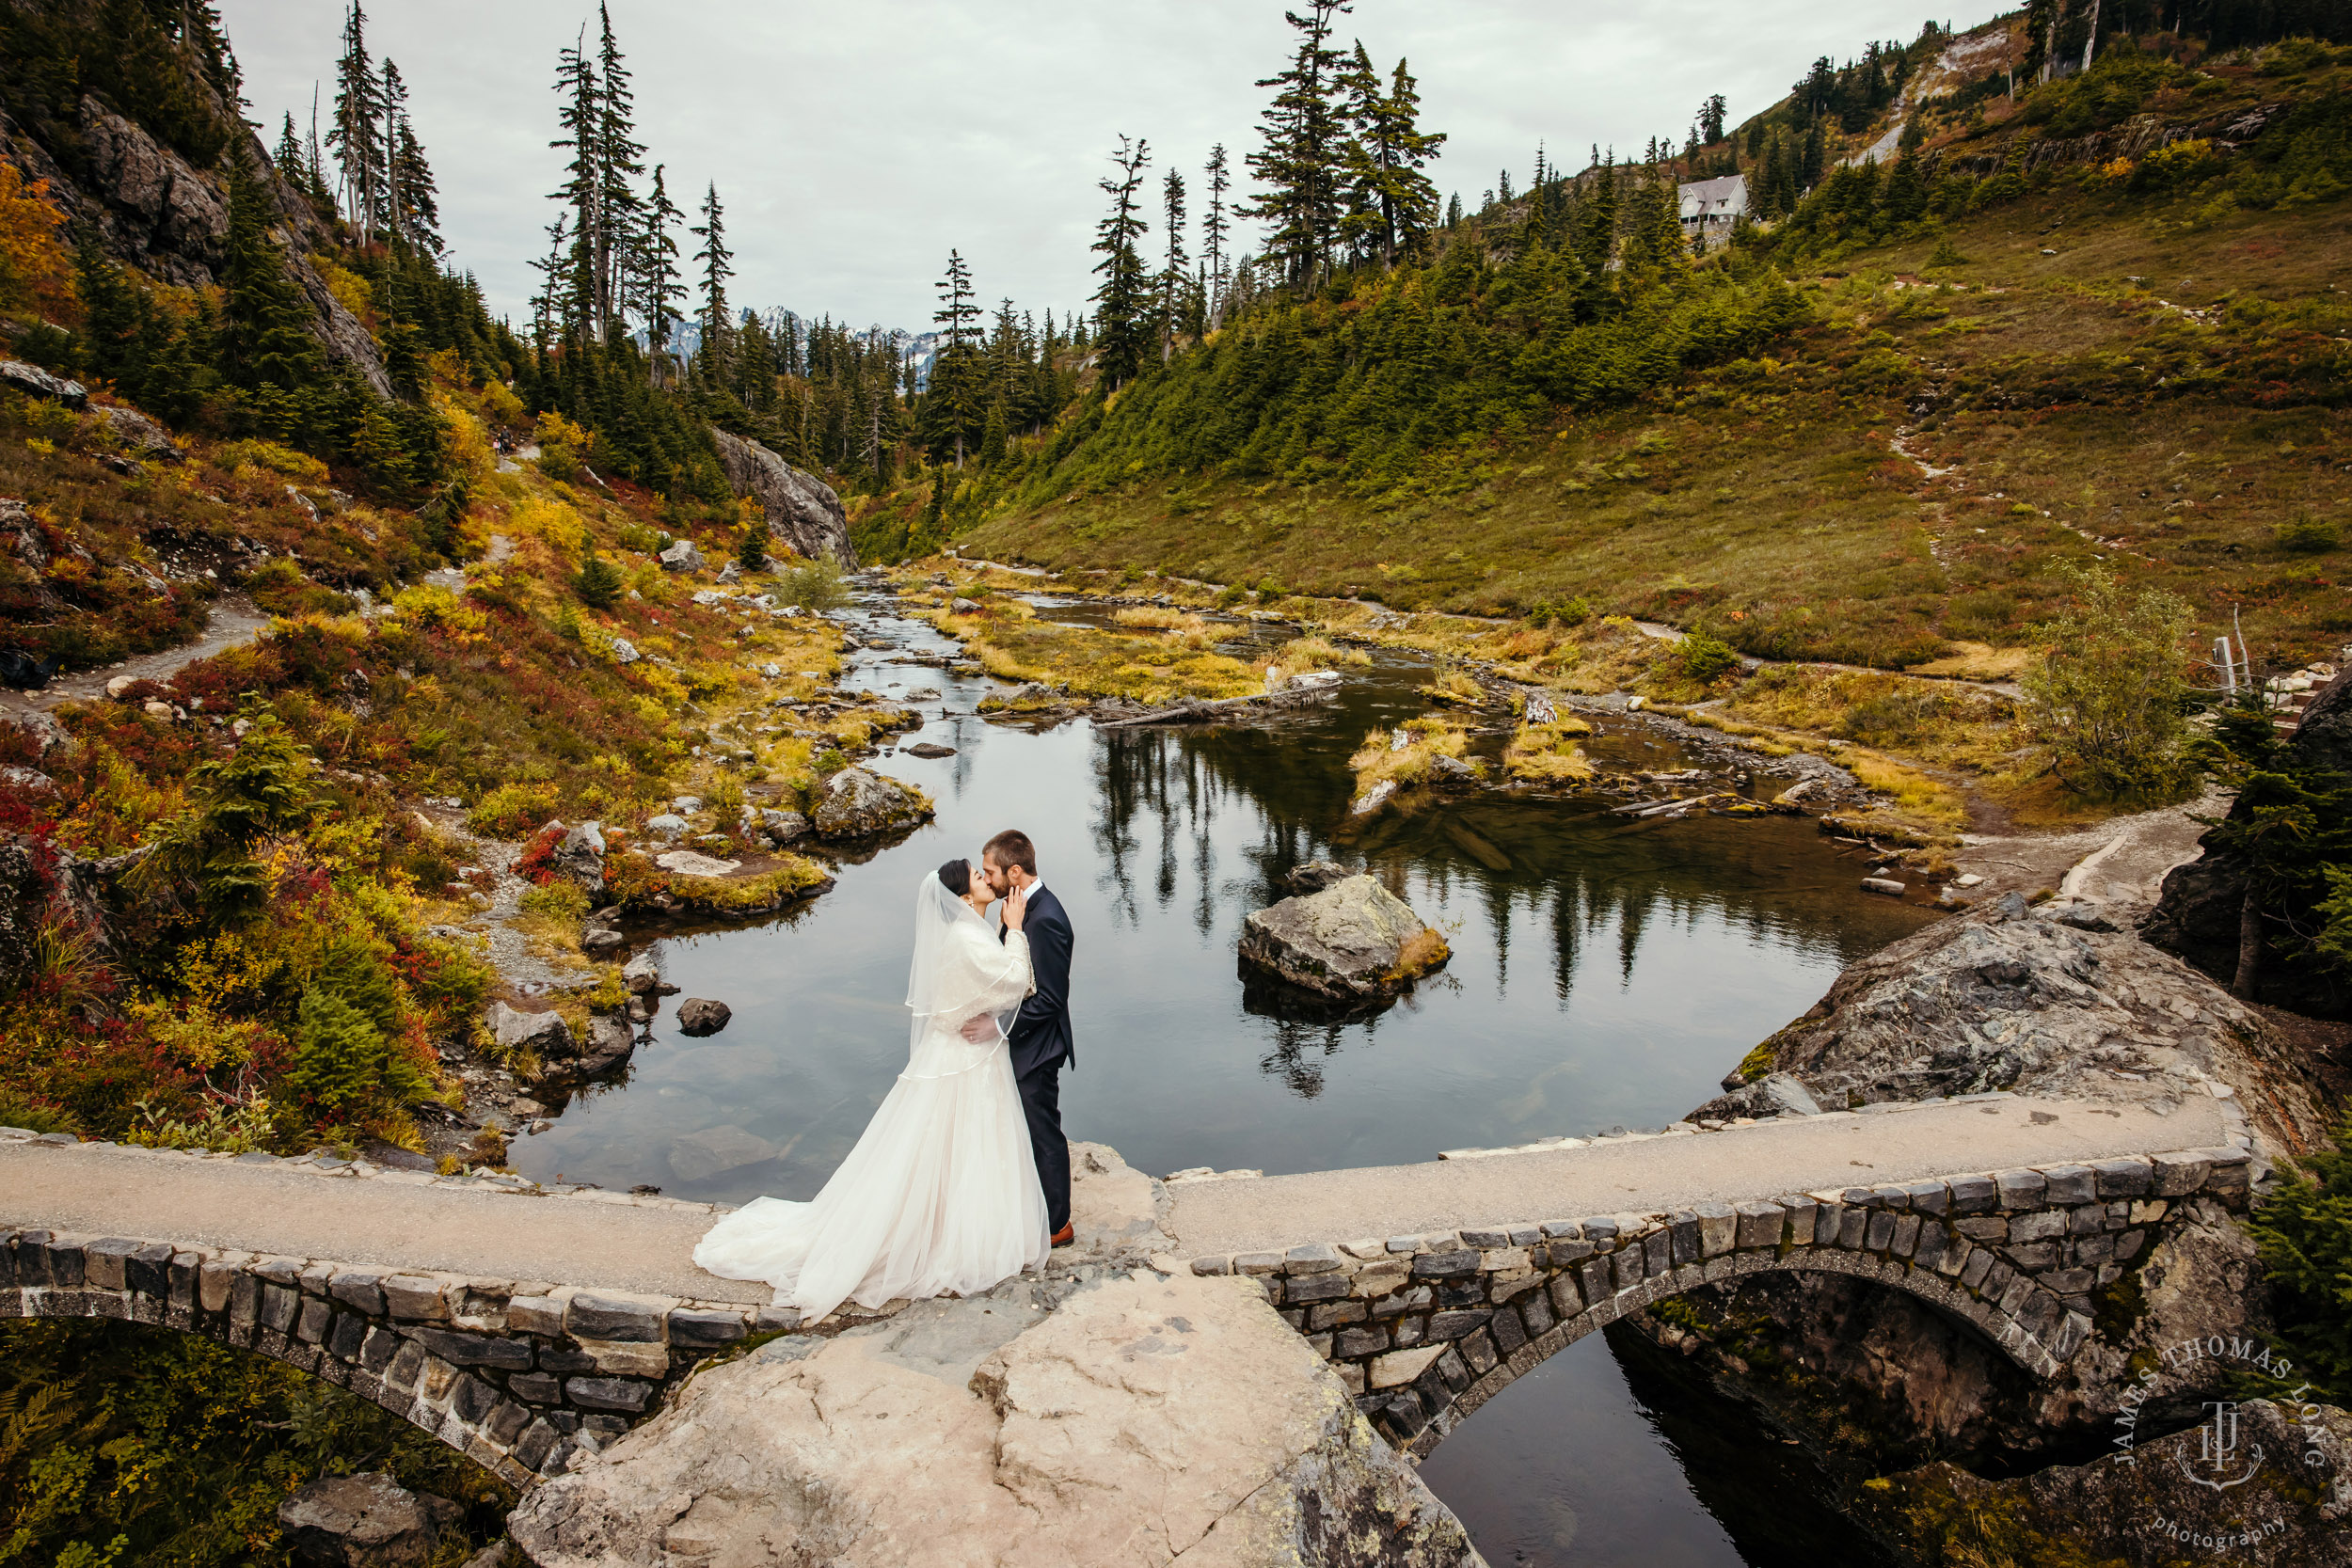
2092, 317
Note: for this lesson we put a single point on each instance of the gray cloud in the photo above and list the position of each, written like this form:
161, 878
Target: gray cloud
853, 145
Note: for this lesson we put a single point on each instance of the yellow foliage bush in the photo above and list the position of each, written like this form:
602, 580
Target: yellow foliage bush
36, 272
246, 459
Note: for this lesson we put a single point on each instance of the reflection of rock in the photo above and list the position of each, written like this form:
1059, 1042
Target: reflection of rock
1353, 939
1314, 876
699, 1015
1264, 995
863, 804
366, 1521
700, 1156
1142, 1419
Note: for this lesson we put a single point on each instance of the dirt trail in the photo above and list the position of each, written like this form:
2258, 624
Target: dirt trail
234, 620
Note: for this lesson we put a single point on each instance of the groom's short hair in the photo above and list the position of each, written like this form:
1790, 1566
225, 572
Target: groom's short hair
1011, 847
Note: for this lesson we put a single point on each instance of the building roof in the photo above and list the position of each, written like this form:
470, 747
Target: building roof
1725, 196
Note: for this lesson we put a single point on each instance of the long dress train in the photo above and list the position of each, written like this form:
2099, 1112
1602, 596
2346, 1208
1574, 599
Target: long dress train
941, 1195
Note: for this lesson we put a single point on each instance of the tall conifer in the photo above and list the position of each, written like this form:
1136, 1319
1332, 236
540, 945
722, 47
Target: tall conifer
1173, 280
1122, 300
1299, 166
718, 266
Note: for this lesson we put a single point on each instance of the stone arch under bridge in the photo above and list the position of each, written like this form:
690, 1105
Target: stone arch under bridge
518, 1378
1425, 1330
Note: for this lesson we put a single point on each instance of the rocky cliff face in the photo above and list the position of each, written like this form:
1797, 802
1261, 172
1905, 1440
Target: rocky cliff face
153, 209
802, 511
2197, 915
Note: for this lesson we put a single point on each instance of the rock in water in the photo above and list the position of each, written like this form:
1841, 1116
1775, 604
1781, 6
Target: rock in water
699, 1015
699, 1156
802, 510
1146, 1419
1353, 939
365, 1521
863, 804
641, 974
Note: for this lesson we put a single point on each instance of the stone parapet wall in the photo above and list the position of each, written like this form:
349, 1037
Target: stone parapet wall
1424, 1329
517, 1375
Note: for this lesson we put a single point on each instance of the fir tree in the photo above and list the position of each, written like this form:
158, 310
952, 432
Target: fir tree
1393, 204
957, 395
356, 137
1214, 229
580, 118
599, 582
266, 340
661, 287
1301, 166
1121, 328
1173, 280
288, 159
718, 266
617, 159
415, 210
1712, 119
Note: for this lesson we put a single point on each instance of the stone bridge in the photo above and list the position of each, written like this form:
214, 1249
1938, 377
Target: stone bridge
522, 1326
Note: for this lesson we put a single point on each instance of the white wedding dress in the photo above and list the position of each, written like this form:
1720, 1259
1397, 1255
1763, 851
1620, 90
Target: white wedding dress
941, 1195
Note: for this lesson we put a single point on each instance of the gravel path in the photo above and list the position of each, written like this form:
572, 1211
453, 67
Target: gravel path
234, 620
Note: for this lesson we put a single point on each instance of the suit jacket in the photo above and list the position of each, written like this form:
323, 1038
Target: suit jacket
1040, 1036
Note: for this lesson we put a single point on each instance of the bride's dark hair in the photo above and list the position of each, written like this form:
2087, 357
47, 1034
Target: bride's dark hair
957, 875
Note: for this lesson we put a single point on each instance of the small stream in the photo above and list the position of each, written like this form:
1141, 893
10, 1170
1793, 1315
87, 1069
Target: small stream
1605, 973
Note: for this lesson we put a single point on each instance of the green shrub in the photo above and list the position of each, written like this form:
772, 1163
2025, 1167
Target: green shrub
257, 791
599, 582
1704, 657
512, 808
34, 1116
815, 585
558, 900
2305, 1237
2106, 699
342, 1061
750, 547
2307, 536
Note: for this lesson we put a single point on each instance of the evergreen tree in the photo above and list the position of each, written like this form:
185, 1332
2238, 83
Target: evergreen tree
718, 266
1712, 119
291, 164
1172, 280
957, 395
355, 135
415, 210
580, 118
266, 340
1214, 229
599, 582
660, 287
1301, 166
617, 158
1393, 204
1120, 301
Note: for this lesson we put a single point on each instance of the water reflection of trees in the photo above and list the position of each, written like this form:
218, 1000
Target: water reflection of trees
1217, 819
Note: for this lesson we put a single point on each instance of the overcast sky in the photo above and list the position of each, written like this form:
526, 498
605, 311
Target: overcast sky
854, 144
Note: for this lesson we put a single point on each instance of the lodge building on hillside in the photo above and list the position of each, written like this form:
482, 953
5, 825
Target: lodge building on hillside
1710, 208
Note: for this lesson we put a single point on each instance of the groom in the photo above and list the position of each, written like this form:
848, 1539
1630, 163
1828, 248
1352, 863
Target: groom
1040, 1037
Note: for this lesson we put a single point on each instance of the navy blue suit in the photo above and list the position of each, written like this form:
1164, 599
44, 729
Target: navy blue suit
1041, 1044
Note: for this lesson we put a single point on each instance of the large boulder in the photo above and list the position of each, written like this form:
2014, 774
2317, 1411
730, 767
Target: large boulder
1353, 940
144, 437
546, 1033
579, 855
18, 376
364, 1521
682, 556
1141, 1419
2041, 1000
2197, 914
802, 510
860, 803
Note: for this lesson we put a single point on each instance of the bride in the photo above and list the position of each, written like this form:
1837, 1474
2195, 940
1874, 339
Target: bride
940, 1195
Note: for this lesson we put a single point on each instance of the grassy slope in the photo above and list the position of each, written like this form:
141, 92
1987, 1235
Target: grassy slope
1765, 499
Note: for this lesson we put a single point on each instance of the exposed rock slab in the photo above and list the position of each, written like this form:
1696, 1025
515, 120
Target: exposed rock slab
2043, 1000
1353, 939
1143, 1419
802, 511
699, 1156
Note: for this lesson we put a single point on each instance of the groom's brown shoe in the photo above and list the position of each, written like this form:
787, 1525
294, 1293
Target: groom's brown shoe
1065, 1235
